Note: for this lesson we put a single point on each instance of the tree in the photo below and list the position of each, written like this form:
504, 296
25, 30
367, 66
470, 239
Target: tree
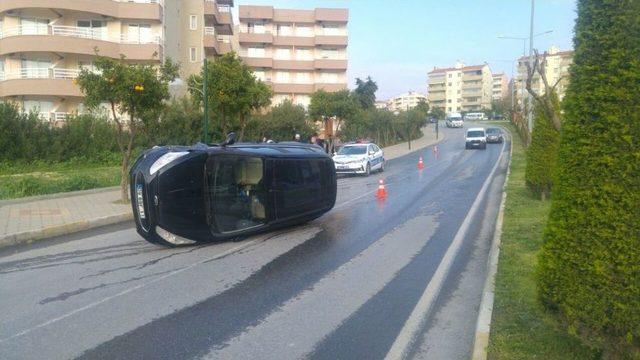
542, 153
438, 113
422, 107
545, 102
134, 92
340, 105
281, 123
232, 91
366, 92
589, 266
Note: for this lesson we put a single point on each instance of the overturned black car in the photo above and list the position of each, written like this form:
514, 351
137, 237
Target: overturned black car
182, 195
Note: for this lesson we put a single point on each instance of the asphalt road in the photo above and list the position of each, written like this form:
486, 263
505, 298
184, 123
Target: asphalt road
370, 279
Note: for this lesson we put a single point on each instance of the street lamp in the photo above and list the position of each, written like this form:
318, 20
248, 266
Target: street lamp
524, 46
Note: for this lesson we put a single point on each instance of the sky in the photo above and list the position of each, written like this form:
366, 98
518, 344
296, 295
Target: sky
397, 42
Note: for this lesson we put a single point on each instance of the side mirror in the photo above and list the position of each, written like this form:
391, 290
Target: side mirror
230, 140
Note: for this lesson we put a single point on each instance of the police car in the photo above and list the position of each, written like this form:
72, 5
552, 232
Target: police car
359, 158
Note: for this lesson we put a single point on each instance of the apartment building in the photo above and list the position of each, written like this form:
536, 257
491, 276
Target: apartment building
499, 89
405, 101
45, 43
460, 88
195, 29
556, 70
295, 51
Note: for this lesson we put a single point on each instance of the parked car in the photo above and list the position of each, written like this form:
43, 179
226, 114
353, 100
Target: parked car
475, 116
476, 138
494, 135
187, 194
359, 158
454, 120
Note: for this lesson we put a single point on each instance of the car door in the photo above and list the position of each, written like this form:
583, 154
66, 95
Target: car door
375, 156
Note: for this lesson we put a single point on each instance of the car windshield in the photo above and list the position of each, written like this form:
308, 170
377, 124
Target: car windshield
353, 150
475, 133
493, 131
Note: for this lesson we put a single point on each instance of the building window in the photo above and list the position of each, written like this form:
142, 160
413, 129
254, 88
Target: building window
330, 29
255, 28
449, 84
450, 75
329, 78
449, 101
284, 30
282, 77
302, 30
193, 22
329, 53
282, 54
193, 56
255, 52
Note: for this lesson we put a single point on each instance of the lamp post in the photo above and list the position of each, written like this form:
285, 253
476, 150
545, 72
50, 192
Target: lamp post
524, 46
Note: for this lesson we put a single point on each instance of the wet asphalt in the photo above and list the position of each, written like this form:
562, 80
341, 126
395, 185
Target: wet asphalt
340, 287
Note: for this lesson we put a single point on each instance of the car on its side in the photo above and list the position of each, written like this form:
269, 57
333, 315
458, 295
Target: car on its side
359, 158
183, 195
494, 135
454, 120
475, 138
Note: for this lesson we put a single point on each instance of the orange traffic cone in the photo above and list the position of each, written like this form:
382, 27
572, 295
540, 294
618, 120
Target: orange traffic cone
382, 192
420, 163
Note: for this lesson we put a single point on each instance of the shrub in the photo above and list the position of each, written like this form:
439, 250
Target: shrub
542, 153
589, 270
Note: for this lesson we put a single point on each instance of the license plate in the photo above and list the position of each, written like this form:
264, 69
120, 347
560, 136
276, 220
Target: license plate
342, 167
140, 201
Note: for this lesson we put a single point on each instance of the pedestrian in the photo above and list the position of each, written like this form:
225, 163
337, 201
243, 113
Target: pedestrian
296, 138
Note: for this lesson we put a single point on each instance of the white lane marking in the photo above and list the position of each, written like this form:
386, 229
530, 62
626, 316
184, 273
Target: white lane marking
414, 323
332, 299
124, 292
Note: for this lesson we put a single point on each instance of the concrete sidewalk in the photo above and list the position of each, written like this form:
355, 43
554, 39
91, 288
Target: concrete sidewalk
26, 220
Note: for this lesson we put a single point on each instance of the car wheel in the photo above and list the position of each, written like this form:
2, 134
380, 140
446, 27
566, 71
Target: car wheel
367, 172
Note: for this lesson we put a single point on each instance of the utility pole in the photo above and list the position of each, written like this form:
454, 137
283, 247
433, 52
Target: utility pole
205, 100
530, 98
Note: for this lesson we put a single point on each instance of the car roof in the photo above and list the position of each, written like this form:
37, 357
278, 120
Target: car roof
475, 129
357, 144
285, 149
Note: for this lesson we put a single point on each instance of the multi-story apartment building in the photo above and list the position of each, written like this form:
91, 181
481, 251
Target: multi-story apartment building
295, 51
499, 87
405, 101
460, 88
556, 70
45, 43
195, 29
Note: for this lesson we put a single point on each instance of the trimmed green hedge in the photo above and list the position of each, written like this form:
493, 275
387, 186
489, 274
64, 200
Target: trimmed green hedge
542, 153
589, 271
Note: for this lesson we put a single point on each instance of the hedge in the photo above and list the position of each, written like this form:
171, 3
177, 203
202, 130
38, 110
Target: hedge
542, 153
589, 269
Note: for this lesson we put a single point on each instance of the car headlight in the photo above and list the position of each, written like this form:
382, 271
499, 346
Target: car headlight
166, 159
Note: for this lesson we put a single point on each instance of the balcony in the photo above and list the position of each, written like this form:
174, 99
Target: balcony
140, 9
330, 86
221, 15
293, 64
294, 41
332, 15
219, 44
40, 82
335, 40
78, 40
292, 88
331, 64
257, 62
255, 38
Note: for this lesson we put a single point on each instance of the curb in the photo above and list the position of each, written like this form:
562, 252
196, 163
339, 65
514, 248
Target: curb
483, 324
27, 237
57, 195
441, 138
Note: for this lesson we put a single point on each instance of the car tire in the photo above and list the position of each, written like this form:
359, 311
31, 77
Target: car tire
367, 171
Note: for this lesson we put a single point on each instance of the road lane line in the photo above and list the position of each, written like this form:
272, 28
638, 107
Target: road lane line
414, 323
124, 292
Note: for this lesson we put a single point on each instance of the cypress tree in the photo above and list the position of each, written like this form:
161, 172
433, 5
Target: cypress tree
542, 153
589, 269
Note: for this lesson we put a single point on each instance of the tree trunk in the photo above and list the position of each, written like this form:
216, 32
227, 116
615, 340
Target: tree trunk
126, 156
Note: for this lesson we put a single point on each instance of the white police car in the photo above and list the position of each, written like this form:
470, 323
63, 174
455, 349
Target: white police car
359, 159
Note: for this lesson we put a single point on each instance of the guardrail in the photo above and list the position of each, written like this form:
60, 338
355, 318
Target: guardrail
80, 32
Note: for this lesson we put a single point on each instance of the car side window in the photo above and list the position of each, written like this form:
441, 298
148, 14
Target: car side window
375, 148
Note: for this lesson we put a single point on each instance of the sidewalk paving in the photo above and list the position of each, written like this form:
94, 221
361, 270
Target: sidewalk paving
27, 220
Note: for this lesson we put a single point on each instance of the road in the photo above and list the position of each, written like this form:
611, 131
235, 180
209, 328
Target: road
370, 279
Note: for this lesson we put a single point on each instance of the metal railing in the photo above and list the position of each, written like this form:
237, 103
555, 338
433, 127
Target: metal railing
224, 8
40, 73
80, 32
